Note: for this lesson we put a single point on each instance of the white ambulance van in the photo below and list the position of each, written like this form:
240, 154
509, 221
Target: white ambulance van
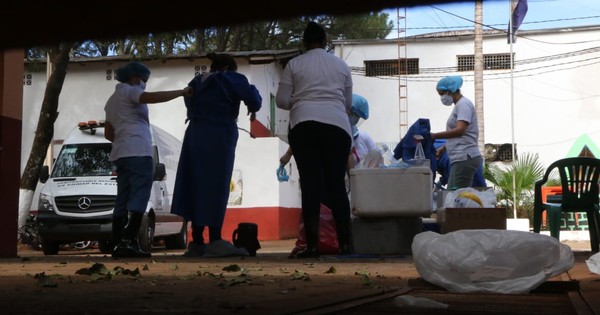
77, 198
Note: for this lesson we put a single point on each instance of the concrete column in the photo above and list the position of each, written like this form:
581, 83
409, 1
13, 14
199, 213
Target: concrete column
11, 111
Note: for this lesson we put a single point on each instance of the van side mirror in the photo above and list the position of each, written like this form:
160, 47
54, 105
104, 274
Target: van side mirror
160, 172
44, 173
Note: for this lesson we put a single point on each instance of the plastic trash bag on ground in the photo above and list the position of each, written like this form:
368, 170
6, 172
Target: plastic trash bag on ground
489, 261
593, 263
328, 242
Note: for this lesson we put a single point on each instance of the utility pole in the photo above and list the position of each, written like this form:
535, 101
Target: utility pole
478, 72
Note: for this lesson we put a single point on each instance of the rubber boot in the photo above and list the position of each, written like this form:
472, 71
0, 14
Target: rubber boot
342, 227
118, 224
128, 245
311, 228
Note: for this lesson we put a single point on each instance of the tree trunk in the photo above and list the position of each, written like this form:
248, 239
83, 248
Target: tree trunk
59, 57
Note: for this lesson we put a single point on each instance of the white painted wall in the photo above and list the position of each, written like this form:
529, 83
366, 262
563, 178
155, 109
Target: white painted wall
555, 102
86, 90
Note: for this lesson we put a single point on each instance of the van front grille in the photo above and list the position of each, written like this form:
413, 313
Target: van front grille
85, 203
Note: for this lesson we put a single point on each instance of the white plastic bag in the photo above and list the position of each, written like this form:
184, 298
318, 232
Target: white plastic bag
373, 159
593, 263
489, 261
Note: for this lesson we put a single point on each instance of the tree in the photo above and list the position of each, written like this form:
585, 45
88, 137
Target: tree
59, 57
527, 170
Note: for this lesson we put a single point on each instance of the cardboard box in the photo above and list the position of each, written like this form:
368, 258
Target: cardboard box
391, 192
384, 236
454, 219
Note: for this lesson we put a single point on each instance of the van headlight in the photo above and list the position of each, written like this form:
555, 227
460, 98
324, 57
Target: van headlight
45, 203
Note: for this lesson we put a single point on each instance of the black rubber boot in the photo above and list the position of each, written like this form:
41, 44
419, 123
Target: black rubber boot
128, 246
343, 228
118, 224
311, 228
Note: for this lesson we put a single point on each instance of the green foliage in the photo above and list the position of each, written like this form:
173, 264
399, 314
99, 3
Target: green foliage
258, 35
525, 171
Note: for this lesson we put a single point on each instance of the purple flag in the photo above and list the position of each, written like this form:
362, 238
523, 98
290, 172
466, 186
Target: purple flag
517, 18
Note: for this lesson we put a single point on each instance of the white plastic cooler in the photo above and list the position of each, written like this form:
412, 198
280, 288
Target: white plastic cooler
391, 192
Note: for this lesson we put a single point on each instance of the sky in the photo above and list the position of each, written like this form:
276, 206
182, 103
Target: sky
455, 16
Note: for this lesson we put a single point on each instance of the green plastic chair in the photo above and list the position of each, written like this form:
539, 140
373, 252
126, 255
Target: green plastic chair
579, 182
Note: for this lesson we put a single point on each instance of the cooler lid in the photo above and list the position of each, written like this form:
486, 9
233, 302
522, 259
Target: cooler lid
392, 170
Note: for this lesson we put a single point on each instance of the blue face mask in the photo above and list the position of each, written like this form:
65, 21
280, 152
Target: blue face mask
447, 99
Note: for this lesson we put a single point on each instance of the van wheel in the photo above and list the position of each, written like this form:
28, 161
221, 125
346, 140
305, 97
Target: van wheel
146, 235
50, 248
179, 240
106, 247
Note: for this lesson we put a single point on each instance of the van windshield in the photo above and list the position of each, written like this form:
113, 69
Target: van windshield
84, 160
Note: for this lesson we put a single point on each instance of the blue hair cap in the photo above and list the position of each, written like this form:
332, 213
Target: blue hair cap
132, 69
450, 83
360, 106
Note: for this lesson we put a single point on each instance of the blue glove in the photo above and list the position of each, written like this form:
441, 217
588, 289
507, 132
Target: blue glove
282, 175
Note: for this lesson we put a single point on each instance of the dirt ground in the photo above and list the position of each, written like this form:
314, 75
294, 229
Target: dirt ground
87, 282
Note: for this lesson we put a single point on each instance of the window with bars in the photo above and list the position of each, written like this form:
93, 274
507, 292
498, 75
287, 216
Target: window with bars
490, 62
374, 68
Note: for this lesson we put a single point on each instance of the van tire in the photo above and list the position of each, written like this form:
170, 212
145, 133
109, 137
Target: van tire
146, 234
179, 240
50, 248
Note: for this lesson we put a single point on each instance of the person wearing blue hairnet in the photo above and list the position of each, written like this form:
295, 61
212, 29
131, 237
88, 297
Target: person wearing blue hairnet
462, 134
443, 169
128, 128
363, 143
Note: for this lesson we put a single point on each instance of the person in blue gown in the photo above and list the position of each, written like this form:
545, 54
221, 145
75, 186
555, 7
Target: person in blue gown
205, 167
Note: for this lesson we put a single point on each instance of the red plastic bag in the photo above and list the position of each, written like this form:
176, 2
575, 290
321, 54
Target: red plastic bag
328, 242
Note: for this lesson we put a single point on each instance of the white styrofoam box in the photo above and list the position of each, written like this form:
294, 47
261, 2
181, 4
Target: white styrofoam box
386, 192
384, 236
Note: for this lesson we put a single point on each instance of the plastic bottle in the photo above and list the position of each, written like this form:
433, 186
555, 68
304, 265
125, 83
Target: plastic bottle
419, 156
388, 157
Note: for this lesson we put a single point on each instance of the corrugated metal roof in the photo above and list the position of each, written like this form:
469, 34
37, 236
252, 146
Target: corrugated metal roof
255, 56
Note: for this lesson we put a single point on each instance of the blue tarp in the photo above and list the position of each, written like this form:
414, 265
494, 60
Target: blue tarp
405, 150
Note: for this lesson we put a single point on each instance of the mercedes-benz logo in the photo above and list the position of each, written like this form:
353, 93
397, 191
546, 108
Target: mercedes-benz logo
84, 203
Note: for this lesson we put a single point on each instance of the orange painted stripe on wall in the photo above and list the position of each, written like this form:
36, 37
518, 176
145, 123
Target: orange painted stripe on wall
274, 223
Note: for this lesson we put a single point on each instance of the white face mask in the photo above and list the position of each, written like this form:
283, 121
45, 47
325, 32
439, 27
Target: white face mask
447, 99
353, 119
